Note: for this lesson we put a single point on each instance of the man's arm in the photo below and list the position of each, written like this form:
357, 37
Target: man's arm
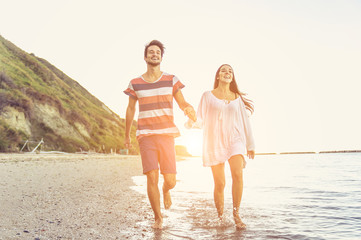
129, 120
186, 107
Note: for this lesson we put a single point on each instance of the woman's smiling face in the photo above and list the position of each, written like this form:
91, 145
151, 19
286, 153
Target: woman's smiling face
226, 74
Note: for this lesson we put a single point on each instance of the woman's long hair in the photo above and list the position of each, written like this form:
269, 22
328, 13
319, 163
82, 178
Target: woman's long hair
234, 88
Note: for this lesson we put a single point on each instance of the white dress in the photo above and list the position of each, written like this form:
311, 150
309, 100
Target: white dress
226, 129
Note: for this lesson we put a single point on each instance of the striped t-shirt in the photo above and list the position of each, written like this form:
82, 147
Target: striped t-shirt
155, 104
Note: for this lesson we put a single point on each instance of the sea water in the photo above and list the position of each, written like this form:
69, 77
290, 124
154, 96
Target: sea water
293, 196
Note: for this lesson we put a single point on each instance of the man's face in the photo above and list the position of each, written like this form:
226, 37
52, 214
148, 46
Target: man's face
154, 55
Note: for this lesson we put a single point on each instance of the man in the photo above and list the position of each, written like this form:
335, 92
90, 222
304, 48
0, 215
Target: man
156, 129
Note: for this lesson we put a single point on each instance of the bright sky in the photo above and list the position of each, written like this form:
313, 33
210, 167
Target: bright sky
299, 61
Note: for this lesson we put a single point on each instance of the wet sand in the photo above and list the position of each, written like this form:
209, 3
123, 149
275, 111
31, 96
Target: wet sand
70, 196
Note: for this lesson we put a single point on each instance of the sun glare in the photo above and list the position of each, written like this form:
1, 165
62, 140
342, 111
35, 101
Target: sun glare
192, 140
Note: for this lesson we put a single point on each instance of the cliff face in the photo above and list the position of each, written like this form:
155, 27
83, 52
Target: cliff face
38, 101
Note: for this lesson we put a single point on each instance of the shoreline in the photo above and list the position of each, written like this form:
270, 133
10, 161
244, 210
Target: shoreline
70, 196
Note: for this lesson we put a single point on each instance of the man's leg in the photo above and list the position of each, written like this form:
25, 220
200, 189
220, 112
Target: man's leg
168, 167
236, 165
169, 183
154, 197
149, 154
219, 183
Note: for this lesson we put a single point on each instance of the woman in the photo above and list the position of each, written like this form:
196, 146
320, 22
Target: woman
227, 136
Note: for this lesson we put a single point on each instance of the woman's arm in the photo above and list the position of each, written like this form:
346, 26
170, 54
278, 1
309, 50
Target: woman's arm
250, 143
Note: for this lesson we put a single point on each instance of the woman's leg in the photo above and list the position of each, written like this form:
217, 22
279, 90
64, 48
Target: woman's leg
236, 165
219, 183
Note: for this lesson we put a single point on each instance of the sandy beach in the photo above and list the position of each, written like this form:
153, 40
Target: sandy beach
70, 196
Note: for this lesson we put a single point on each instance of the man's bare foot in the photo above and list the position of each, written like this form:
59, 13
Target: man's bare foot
167, 199
158, 224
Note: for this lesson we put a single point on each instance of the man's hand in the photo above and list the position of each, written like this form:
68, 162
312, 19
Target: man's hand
127, 142
250, 154
189, 112
186, 107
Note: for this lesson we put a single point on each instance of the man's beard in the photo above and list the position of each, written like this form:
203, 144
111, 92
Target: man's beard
154, 64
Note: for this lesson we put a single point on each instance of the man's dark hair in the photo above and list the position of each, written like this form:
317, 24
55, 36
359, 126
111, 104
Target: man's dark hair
156, 43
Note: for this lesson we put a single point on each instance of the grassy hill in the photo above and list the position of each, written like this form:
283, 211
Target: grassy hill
37, 101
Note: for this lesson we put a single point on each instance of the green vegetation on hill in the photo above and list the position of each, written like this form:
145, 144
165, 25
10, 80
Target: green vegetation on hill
38, 101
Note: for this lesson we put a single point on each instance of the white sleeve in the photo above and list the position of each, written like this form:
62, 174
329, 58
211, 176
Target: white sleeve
250, 144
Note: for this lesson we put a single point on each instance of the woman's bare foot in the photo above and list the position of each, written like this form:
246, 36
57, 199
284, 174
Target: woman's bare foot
220, 213
238, 221
167, 199
158, 224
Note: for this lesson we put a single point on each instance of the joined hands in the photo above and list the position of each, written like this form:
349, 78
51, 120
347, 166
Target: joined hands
189, 112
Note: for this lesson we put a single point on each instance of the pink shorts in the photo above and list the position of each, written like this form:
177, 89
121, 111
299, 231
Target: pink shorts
158, 151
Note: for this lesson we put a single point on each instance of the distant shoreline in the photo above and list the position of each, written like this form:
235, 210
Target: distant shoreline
321, 152
179, 157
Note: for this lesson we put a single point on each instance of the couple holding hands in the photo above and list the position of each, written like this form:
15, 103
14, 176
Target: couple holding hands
222, 114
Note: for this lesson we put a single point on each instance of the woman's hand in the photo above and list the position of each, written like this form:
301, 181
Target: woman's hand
189, 124
250, 154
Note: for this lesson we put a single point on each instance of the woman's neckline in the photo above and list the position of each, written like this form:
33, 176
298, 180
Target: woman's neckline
223, 100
